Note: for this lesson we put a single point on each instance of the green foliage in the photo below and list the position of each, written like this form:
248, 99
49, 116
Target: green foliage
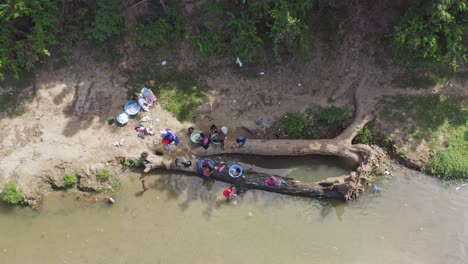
365, 136
440, 121
208, 42
452, 162
108, 20
213, 8
178, 92
431, 32
296, 125
332, 115
245, 42
11, 193
104, 174
133, 163
162, 31
70, 180
28, 29
289, 33
181, 94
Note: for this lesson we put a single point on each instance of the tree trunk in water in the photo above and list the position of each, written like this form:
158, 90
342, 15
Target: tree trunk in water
343, 188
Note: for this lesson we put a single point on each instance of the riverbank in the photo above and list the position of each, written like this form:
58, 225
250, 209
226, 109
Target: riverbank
63, 127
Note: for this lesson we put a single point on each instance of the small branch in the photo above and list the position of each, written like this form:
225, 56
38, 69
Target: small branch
139, 3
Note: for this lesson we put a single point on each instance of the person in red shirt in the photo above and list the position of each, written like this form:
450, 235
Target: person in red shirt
229, 192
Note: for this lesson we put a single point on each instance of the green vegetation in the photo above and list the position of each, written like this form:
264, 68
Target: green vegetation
70, 180
245, 42
289, 33
441, 123
104, 174
296, 125
365, 136
179, 92
14, 103
208, 42
11, 193
108, 19
29, 29
431, 32
133, 163
332, 115
161, 31
322, 122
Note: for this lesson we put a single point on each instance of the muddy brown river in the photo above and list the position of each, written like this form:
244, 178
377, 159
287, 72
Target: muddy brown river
413, 219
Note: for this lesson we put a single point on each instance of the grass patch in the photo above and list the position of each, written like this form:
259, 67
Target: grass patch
441, 122
70, 180
11, 193
365, 136
332, 115
296, 125
104, 174
133, 163
179, 92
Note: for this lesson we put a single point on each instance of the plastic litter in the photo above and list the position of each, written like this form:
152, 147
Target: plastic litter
377, 188
164, 63
145, 119
224, 130
261, 73
121, 142
239, 62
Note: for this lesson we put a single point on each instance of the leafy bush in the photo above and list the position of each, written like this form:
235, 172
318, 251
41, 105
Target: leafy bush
70, 180
208, 42
162, 31
431, 32
104, 174
11, 193
332, 115
289, 32
108, 19
296, 125
245, 42
365, 136
28, 31
133, 163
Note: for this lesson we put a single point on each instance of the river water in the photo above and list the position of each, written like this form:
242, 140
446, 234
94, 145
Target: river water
414, 219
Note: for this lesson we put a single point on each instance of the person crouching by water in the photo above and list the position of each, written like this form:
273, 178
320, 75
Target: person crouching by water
204, 141
144, 185
241, 140
229, 193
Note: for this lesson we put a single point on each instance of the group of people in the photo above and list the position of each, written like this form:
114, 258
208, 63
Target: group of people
216, 136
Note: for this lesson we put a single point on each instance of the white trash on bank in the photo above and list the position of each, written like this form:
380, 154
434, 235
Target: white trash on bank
239, 62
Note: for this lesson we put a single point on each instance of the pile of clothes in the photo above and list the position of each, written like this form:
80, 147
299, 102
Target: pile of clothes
168, 139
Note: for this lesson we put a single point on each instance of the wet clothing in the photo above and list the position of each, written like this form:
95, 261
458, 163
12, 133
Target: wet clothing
228, 192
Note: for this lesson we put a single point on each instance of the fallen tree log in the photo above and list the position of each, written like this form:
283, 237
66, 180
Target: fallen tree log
345, 187
289, 147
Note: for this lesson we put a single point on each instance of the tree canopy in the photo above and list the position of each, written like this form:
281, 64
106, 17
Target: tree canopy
431, 32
